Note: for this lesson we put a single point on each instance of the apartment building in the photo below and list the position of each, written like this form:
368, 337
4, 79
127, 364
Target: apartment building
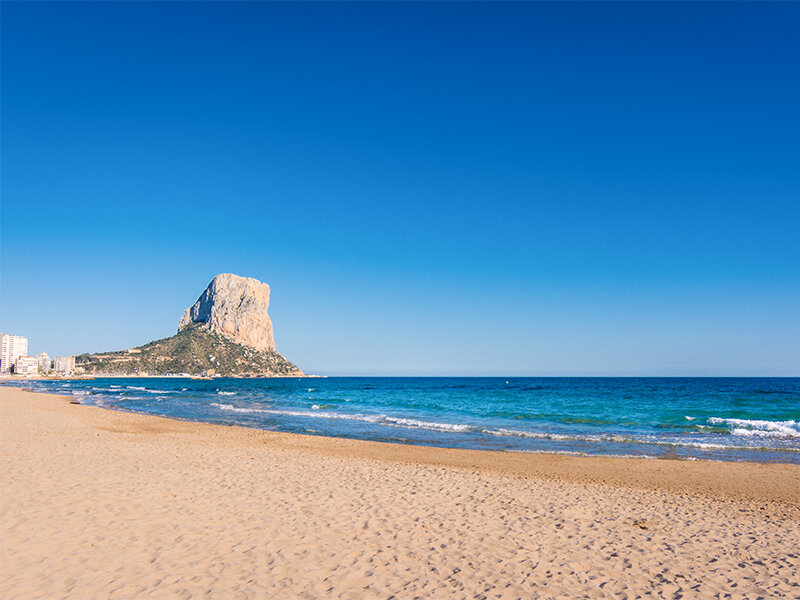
11, 348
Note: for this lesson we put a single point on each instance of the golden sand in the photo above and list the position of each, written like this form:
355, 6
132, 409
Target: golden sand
104, 504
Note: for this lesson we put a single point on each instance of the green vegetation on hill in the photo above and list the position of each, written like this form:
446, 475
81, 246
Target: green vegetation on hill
194, 350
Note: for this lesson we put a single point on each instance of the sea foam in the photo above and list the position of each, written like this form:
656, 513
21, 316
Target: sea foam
759, 428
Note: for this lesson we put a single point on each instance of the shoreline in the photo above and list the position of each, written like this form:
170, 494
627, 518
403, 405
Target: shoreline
737, 479
428, 446
112, 504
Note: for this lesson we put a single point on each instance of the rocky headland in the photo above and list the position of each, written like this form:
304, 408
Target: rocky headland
227, 332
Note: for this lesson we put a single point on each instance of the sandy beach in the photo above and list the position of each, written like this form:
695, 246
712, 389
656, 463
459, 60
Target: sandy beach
105, 504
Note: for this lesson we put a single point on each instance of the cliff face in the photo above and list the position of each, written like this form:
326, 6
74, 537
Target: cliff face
226, 332
236, 308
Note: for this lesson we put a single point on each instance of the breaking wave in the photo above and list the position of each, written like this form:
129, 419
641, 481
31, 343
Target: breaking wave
759, 428
406, 423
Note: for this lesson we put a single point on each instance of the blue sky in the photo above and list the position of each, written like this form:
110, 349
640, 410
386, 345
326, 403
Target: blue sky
433, 189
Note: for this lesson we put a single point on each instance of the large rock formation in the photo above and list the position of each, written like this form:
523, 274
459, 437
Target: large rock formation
227, 332
236, 308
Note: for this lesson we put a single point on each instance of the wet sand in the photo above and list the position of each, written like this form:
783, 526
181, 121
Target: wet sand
104, 504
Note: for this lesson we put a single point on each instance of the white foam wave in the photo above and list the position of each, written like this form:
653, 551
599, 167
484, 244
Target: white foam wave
622, 440
301, 413
226, 393
609, 437
755, 433
233, 408
382, 419
759, 428
535, 435
576, 453
432, 425
318, 413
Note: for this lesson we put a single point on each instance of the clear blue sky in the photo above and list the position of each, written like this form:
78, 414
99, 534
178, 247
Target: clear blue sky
450, 188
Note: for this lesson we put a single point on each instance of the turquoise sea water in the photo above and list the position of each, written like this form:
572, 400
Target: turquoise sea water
728, 419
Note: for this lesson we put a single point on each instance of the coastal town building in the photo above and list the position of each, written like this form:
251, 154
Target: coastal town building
45, 364
64, 364
26, 365
11, 348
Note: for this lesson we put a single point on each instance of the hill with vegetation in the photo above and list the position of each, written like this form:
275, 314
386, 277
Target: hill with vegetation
194, 350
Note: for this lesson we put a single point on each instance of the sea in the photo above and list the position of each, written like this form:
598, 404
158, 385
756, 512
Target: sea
722, 419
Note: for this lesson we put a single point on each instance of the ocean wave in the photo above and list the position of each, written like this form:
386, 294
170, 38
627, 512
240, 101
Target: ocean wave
406, 423
431, 425
538, 435
576, 453
379, 419
621, 439
226, 393
300, 413
114, 389
757, 433
233, 408
759, 428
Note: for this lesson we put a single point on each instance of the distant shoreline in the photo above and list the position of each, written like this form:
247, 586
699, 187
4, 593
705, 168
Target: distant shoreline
127, 376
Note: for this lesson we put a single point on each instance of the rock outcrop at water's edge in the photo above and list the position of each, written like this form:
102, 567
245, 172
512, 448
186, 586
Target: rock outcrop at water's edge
227, 332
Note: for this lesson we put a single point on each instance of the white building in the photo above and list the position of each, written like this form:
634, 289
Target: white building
12, 347
26, 365
45, 365
64, 364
